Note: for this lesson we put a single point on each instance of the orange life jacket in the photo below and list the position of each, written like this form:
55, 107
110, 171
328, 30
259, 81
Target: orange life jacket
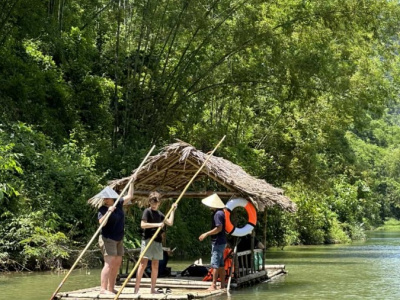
227, 266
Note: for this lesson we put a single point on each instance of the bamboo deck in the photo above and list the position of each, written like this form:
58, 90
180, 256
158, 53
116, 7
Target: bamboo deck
180, 287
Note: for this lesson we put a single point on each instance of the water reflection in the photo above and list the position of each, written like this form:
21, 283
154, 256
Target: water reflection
41, 285
362, 270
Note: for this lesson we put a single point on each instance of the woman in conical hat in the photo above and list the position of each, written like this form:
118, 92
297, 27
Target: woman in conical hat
112, 234
218, 239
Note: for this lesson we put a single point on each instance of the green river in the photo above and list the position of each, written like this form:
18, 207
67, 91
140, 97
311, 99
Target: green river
362, 270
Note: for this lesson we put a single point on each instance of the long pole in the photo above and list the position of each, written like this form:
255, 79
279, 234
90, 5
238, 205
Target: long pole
166, 217
232, 265
101, 224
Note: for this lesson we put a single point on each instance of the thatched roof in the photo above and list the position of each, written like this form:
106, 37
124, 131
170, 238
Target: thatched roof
171, 170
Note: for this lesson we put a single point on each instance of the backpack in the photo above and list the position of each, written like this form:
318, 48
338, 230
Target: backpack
195, 271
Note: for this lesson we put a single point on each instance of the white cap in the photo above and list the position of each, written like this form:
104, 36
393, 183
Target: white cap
213, 201
107, 192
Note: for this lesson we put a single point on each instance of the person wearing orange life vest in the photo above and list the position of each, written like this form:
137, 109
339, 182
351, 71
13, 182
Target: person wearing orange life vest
227, 266
218, 239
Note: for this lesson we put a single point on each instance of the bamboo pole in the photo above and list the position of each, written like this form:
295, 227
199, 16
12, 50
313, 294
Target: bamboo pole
232, 266
265, 236
107, 215
166, 217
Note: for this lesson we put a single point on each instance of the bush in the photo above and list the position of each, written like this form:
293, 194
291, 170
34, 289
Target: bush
45, 198
355, 231
336, 234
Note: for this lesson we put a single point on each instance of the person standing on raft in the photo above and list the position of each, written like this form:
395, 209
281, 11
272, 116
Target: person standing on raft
111, 237
218, 239
152, 219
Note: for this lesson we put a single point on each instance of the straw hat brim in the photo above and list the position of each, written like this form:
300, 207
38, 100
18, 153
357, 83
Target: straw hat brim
107, 192
213, 201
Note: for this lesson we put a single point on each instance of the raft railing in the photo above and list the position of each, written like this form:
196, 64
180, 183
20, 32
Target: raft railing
245, 263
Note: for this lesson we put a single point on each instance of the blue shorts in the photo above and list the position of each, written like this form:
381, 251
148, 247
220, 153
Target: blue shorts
217, 256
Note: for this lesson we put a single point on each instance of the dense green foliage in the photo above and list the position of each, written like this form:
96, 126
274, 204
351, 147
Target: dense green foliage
306, 92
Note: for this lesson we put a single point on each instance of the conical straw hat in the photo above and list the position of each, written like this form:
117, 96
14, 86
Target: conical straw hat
107, 192
213, 201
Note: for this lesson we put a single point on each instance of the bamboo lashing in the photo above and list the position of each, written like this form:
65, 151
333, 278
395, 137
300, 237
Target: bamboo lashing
166, 217
106, 216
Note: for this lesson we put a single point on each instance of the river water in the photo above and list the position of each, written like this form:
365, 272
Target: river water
362, 270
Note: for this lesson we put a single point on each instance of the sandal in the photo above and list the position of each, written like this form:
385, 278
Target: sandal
160, 290
168, 290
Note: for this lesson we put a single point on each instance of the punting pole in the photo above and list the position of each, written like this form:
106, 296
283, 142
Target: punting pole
233, 263
107, 215
166, 217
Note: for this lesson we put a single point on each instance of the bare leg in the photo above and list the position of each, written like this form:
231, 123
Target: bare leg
154, 274
213, 286
139, 273
116, 263
105, 273
221, 273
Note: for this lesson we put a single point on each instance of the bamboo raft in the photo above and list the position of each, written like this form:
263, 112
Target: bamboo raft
177, 163
176, 288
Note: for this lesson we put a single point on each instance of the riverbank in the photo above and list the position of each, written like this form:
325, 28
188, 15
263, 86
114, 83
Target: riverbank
390, 225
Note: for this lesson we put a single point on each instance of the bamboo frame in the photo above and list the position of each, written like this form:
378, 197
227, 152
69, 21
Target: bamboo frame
189, 194
174, 178
212, 176
167, 166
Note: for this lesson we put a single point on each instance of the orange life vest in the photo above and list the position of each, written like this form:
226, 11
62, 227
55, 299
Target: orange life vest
227, 266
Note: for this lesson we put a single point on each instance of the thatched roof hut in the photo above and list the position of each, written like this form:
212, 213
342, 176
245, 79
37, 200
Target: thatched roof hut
171, 170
